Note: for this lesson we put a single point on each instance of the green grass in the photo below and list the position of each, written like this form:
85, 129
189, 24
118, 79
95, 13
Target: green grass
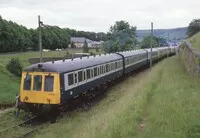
9, 84
172, 109
195, 41
162, 103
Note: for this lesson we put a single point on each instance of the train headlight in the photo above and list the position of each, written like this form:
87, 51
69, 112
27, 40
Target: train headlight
26, 98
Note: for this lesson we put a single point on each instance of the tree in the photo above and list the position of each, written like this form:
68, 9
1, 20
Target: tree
146, 42
193, 27
85, 47
14, 37
121, 36
14, 66
73, 45
161, 41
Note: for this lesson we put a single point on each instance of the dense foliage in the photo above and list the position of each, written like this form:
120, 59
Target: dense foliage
156, 42
194, 27
85, 47
15, 67
14, 37
121, 37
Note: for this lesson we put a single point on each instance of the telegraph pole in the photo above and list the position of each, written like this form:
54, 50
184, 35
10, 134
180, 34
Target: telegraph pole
40, 37
151, 45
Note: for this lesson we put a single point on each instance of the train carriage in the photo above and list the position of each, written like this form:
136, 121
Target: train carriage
58, 81
134, 59
52, 83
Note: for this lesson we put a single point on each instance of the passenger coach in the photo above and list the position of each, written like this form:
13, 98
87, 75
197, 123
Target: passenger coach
52, 83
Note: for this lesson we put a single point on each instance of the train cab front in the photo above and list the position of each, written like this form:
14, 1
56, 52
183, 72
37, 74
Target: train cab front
40, 91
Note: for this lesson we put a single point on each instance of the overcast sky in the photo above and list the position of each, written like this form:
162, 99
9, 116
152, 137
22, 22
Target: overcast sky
99, 15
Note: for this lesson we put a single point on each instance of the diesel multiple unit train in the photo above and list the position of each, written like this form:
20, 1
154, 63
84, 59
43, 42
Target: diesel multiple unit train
53, 83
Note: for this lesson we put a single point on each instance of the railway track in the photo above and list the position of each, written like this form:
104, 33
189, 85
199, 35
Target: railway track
30, 126
27, 134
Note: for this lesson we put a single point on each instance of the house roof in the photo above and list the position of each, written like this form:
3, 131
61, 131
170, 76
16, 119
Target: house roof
80, 40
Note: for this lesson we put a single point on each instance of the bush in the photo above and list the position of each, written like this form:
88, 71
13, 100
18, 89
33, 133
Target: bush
15, 67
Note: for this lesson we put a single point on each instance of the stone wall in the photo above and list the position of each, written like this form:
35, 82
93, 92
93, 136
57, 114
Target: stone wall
190, 59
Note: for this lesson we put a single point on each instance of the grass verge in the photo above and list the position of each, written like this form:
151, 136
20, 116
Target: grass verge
195, 41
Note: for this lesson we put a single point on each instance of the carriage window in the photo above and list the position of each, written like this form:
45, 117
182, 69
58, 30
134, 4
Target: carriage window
84, 75
70, 79
80, 76
115, 65
110, 67
101, 70
118, 64
27, 82
88, 74
95, 71
98, 71
49, 83
92, 73
75, 78
107, 67
37, 83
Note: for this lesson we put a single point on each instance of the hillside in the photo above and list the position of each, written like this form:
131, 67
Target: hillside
169, 34
195, 41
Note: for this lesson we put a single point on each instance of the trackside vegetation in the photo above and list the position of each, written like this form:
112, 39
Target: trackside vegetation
195, 41
161, 103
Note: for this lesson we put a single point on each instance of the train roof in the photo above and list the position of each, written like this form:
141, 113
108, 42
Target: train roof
75, 64
132, 53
